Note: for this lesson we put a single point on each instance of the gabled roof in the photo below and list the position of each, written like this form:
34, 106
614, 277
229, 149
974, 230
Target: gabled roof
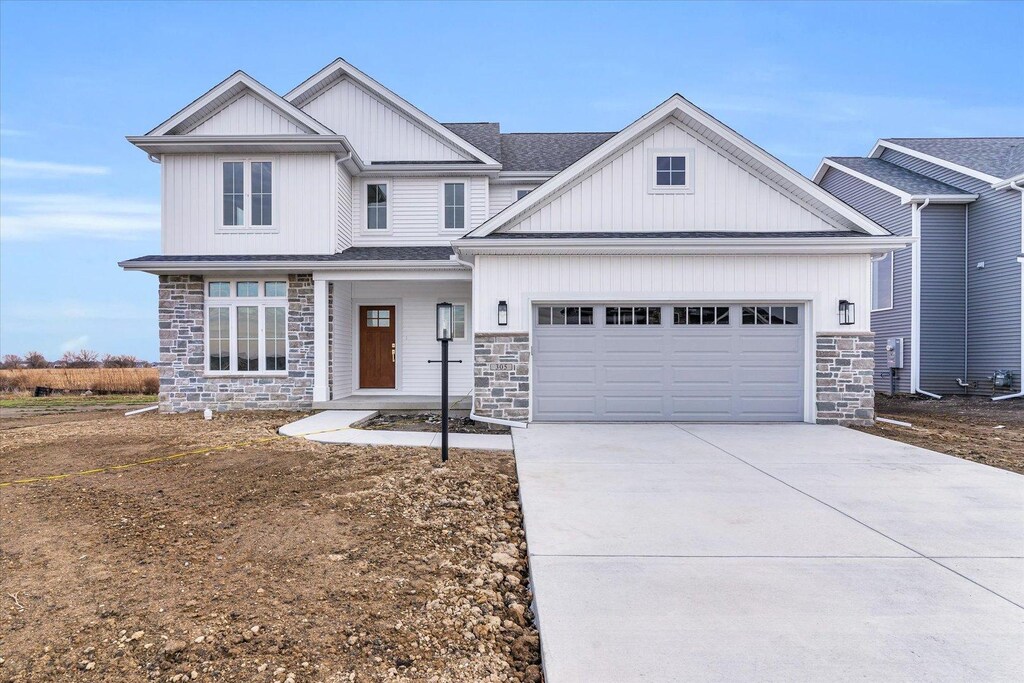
771, 169
226, 92
339, 69
529, 152
988, 159
908, 185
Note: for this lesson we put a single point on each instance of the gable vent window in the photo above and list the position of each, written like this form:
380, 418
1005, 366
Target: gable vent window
632, 315
565, 315
455, 206
247, 194
670, 171
377, 206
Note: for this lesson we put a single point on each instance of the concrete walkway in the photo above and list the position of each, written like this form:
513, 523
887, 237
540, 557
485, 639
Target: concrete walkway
341, 426
769, 552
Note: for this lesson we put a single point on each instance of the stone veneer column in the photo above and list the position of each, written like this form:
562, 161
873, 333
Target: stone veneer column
184, 385
845, 378
501, 375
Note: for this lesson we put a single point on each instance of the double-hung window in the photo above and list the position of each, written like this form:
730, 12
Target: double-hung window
454, 205
247, 194
881, 282
247, 326
377, 206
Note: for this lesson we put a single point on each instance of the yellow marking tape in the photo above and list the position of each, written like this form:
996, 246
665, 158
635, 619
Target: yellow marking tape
162, 458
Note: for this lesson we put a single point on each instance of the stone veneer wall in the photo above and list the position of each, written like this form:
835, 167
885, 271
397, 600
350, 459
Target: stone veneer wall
501, 375
845, 379
183, 384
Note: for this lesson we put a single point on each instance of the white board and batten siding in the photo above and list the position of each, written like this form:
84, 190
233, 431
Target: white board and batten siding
377, 130
246, 115
726, 195
415, 309
304, 196
414, 211
524, 280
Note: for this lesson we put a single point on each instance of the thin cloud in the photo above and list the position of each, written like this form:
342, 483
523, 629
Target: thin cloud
75, 344
36, 217
46, 170
13, 133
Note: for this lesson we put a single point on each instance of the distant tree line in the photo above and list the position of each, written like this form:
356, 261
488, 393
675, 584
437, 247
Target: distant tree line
71, 359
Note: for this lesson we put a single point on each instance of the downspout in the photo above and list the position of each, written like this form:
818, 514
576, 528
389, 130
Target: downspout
1015, 185
154, 158
915, 302
472, 409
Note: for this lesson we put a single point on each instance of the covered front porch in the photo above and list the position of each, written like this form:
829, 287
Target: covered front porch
375, 333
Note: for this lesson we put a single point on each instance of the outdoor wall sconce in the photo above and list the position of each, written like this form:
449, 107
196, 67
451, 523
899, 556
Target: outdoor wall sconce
846, 312
502, 313
444, 322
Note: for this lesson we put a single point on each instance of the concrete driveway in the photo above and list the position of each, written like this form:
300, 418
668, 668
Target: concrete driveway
769, 552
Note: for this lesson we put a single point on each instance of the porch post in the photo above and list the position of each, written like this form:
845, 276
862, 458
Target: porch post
320, 389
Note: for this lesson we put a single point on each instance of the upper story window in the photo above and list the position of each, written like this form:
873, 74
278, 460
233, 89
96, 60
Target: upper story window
520, 193
247, 194
377, 206
247, 326
455, 206
881, 283
671, 171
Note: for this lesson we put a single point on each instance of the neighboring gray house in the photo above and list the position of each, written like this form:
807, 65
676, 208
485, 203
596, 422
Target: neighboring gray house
955, 297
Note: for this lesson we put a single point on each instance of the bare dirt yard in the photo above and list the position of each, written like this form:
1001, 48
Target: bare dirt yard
283, 560
974, 428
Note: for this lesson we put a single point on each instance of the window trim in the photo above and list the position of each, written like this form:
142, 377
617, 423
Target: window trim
892, 282
389, 215
441, 205
652, 174
275, 183
232, 302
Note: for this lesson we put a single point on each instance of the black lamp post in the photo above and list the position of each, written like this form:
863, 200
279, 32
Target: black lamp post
445, 333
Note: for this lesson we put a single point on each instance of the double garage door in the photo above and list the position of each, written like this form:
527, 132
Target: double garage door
668, 362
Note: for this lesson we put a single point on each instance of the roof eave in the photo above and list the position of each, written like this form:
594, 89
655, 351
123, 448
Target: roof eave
184, 267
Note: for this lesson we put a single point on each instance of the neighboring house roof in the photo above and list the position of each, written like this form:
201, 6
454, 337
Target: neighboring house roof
908, 185
538, 152
1000, 157
761, 162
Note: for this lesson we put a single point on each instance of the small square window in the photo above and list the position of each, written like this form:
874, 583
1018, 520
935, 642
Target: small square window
220, 289
247, 288
275, 289
522, 193
670, 171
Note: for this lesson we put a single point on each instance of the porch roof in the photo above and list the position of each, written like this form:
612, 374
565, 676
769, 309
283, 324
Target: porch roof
363, 256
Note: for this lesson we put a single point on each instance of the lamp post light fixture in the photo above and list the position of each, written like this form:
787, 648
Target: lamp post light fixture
847, 312
503, 313
445, 333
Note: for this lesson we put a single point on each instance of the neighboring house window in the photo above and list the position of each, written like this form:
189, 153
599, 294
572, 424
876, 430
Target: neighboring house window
377, 206
700, 315
770, 315
246, 332
881, 283
458, 321
565, 315
632, 315
671, 171
250, 179
522, 193
455, 206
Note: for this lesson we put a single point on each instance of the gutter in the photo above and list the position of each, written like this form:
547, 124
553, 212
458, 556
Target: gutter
1015, 184
915, 302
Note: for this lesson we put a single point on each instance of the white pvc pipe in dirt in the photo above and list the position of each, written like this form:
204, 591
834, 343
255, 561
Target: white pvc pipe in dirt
141, 410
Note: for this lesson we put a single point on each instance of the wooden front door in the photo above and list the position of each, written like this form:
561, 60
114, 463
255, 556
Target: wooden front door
377, 347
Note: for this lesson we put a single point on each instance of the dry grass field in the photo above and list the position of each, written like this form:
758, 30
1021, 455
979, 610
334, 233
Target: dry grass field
100, 380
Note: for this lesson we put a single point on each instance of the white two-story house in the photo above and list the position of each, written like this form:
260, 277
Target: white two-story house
672, 270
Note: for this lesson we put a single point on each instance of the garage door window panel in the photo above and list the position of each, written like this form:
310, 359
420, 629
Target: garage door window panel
700, 315
632, 315
565, 315
771, 315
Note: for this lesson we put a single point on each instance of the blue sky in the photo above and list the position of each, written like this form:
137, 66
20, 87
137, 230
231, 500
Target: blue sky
803, 80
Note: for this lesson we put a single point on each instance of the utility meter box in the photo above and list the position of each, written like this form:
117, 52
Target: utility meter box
1002, 379
894, 352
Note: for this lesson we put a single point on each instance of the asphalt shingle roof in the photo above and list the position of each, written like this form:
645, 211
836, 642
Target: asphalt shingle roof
1000, 157
539, 152
897, 176
441, 253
